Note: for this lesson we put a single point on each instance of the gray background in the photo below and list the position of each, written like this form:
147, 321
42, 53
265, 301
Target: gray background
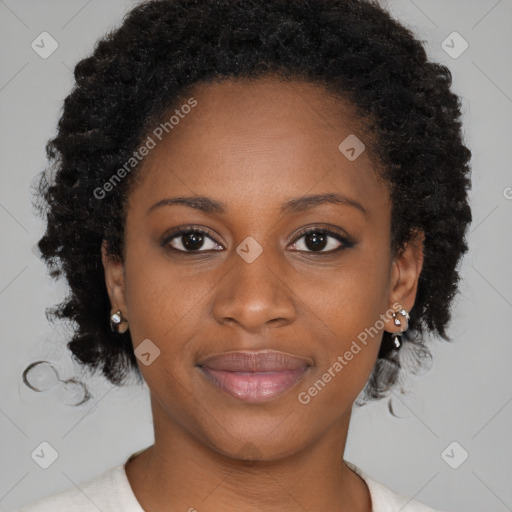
467, 395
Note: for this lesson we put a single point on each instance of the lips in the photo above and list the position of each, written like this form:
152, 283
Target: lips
264, 361
255, 376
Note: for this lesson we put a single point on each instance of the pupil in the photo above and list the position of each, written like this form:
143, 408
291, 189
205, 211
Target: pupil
193, 241
315, 241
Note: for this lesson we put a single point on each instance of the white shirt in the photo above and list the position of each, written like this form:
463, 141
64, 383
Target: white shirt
111, 492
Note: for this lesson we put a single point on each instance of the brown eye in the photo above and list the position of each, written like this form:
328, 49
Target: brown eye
192, 241
321, 241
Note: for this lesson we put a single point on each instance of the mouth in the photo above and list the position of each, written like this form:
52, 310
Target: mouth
255, 376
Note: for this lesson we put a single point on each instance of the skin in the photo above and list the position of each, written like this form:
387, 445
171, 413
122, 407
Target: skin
254, 145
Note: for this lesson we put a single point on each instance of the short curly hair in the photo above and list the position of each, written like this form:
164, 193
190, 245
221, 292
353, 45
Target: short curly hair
140, 71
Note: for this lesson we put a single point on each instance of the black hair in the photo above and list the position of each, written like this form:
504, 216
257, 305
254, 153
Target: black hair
140, 71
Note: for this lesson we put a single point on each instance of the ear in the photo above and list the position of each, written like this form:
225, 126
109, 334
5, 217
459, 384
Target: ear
114, 280
405, 273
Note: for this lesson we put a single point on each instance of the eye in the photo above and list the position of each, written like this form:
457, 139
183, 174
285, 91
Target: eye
321, 240
191, 240
316, 240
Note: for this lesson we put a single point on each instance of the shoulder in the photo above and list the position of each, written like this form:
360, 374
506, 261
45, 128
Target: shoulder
110, 491
385, 500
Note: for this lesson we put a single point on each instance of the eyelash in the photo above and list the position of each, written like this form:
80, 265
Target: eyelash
345, 242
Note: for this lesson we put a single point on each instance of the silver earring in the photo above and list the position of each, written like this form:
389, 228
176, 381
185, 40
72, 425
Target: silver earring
116, 319
397, 339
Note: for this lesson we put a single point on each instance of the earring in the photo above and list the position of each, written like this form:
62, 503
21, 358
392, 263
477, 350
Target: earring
116, 319
397, 341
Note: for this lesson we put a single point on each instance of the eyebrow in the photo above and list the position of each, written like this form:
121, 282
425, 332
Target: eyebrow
299, 204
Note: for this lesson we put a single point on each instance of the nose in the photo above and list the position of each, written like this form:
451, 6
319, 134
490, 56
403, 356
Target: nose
255, 295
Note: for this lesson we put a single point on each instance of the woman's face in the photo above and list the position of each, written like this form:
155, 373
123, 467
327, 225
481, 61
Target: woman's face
248, 155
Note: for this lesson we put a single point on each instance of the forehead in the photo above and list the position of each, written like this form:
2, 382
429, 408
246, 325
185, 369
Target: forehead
255, 140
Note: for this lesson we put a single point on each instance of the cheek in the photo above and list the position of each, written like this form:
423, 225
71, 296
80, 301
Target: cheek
161, 299
344, 311
350, 296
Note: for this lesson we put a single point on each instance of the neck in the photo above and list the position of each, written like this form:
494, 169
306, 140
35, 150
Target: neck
179, 472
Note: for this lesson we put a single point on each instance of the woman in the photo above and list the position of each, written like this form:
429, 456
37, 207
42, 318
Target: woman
256, 205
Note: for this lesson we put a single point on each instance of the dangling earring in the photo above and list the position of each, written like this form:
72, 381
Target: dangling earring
397, 341
116, 319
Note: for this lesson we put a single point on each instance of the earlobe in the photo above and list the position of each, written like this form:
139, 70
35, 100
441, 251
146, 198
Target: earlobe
114, 281
406, 272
